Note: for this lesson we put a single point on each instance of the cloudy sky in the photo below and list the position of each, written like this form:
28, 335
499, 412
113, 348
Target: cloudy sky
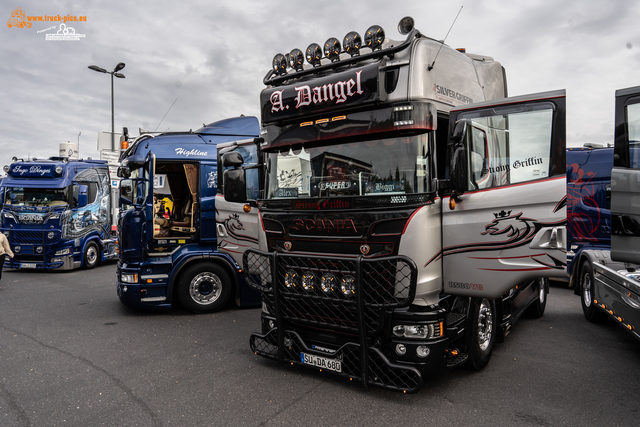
208, 59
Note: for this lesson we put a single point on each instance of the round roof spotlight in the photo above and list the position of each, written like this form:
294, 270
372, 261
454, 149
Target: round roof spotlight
405, 25
296, 59
6, 168
314, 54
374, 37
14, 159
280, 64
332, 49
352, 43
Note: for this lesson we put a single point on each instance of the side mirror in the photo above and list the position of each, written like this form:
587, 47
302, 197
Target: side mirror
459, 131
235, 188
123, 172
126, 192
82, 196
232, 159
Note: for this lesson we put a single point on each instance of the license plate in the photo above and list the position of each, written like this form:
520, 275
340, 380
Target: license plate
321, 362
28, 265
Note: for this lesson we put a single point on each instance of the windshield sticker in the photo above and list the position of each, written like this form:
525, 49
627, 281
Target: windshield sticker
385, 187
334, 185
287, 192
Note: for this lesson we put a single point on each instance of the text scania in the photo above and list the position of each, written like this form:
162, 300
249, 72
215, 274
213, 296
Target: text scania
193, 152
339, 91
325, 225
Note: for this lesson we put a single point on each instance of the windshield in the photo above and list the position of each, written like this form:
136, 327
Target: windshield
378, 167
19, 196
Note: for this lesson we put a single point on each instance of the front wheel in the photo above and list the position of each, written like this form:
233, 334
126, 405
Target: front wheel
91, 253
536, 309
591, 312
483, 333
204, 288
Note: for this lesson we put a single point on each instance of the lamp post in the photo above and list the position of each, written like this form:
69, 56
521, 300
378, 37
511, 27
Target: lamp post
113, 73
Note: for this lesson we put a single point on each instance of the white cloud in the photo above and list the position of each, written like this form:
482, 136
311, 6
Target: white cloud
212, 57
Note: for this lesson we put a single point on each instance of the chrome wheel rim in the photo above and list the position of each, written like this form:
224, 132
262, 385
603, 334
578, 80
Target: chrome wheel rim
485, 324
586, 289
92, 255
205, 288
542, 284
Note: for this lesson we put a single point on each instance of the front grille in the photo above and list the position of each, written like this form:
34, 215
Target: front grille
354, 302
33, 237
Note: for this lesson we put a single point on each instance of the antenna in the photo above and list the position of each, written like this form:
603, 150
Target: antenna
445, 37
165, 115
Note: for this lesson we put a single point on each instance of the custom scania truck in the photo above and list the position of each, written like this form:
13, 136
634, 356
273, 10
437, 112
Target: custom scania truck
403, 230
169, 218
603, 216
56, 213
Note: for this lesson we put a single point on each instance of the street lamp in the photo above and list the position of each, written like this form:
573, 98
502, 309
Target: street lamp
115, 72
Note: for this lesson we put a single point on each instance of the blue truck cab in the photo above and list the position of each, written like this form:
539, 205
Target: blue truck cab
56, 213
603, 221
588, 205
168, 221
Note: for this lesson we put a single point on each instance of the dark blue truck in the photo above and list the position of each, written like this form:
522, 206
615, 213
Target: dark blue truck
177, 240
56, 213
603, 220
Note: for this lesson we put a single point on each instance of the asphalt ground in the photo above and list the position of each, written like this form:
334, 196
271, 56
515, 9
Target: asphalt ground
72, 355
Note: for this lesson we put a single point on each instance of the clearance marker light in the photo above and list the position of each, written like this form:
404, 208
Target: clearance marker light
452, 203
246, 208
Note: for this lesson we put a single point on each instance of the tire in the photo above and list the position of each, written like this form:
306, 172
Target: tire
91, 255
204, 288
591, 313
536, 309
483, 333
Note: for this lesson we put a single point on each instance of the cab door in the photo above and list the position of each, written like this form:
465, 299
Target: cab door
505, 218
237, 224
625, 178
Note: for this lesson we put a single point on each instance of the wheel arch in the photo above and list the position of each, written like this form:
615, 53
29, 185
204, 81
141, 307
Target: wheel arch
184, 264
91, 239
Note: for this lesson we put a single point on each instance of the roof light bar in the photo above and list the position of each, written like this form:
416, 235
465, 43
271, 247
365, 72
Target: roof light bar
352, 43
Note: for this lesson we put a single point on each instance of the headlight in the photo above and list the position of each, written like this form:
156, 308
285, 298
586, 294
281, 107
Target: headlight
39, 249
65, 251
348, 286
309, 281
425, 331
129, 278
51, 235
17, 249
291, 279
328, 283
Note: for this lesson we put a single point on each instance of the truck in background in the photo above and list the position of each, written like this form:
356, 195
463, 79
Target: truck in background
56, 213
170, 254
603, 221
403, 231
